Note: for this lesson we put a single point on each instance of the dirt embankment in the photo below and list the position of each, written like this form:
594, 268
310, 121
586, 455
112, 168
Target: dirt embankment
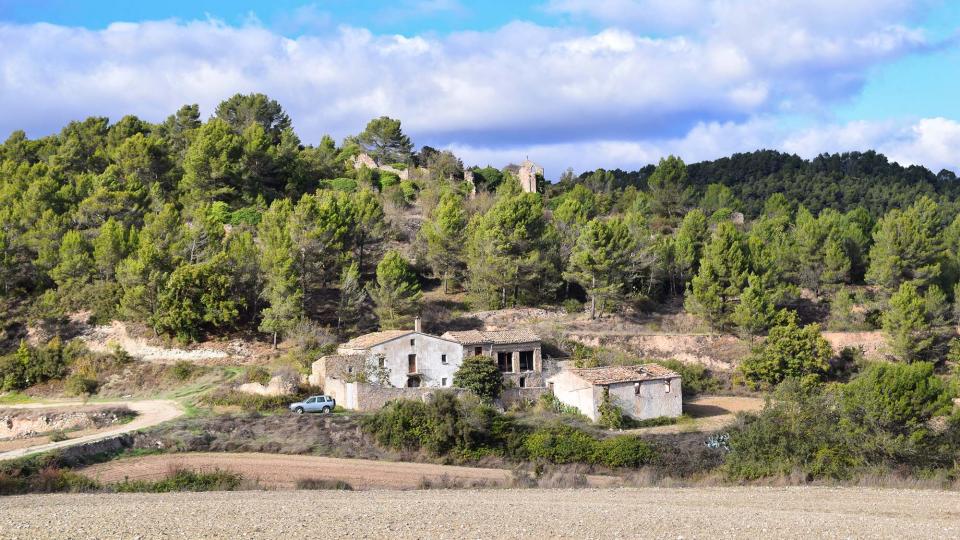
710, 513
26, 423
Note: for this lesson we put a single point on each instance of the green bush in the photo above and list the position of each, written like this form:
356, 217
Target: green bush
182, 370
479, 375
33, 365
694, 378
184, 480
78, 385
573, 306
257, 374
388, 179
610, 416
560, 443
322, 484
409, 190
623, 451
341, 184
789, 350
58, 435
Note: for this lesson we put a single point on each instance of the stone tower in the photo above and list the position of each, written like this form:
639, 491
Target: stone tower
527, 174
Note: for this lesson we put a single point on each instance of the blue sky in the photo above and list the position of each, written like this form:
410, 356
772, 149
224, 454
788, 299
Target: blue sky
571, 83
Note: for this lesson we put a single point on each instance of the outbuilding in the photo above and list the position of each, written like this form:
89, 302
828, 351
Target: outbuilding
641, 392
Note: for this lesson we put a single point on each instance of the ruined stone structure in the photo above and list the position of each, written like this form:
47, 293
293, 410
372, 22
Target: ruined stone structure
516, 352
527, 174
364, 160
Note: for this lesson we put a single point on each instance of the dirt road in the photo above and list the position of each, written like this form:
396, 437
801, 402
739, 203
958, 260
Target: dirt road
590, 513
149, 413
277, 471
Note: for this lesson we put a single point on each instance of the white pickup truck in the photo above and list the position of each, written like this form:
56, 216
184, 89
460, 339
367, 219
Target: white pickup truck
321, 404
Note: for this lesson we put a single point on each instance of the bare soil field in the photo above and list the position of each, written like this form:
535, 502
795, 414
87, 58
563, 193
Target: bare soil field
709, 413
277, 471
808, 512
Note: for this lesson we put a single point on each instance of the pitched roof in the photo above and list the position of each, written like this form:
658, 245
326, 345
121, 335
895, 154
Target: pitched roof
473, 337
374, 338
620, 374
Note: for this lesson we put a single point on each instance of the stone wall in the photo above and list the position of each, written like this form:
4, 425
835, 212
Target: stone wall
370, 397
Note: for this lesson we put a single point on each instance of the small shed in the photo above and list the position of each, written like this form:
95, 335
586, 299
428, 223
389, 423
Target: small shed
641, 392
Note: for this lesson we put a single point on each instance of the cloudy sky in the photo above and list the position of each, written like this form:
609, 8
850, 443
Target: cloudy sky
571, 83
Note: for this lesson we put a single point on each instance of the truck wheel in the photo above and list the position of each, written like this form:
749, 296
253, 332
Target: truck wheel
298, 410
325, 410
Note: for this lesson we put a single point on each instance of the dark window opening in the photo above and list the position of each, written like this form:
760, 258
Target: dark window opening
504, 362
413, 382
523, 382
550, 387
413, 342
381, 362
526, 360
411, 363
443, 359
478, 351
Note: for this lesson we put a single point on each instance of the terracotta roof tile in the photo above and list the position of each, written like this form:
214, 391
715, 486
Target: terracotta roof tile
475, 337
619, 374
372, 339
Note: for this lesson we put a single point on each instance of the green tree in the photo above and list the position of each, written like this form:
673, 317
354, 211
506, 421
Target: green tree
479, 374
907, 246
689, 244
110, 247
907, 321
396, 293
75, 266
352, 296
444, 234
368, 223
213, 165
757, 310
669, 190
789, 350
385, 141
281, 287
242, 111
197, 297
723, 275
600, 262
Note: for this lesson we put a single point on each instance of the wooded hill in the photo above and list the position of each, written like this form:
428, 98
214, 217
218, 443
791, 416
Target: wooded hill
197, 228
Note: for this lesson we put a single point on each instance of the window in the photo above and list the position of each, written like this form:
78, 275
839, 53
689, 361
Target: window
478, 351
413, 342
413, 382
666, 387
523, 382
381, 362
411, 363
443, 381
443, 359
349, 369
526, 360
504, 362
636, 388
550, 387
312, 400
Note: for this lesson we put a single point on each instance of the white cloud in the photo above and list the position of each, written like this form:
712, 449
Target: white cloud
618, 93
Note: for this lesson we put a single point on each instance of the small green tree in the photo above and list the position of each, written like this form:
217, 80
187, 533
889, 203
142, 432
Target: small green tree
669, 192
600, 262
907, 322
789, 351
197, 297
480, 375
757, 310
397, 292
444, 235
724, 270
351, 298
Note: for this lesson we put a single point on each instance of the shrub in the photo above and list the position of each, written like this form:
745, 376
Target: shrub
185, 480
610, 416
388, 179
695, 378
479, 375
54, 480
623, 451
323, 483
572, 305
58, 435
560, 443
789, 351
182, 370
341, 184
257, 374
549, 402
78, 385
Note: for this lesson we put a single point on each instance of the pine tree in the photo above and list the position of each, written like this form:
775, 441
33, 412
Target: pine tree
396, 293
352, 296
600, 262
789, 350
669, 192
757, 310
110, 247
281, 287
906, 324
444, 236
907, 246
689, 244
722, 277
75, 265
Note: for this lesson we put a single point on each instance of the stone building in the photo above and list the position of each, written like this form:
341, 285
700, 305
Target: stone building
527, 173
517, 352
641, 392
364, 160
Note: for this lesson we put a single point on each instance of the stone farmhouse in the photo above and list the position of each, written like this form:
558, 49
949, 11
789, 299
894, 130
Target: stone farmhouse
371, 369
641, 392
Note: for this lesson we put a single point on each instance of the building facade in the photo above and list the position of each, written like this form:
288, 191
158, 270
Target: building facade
517, 353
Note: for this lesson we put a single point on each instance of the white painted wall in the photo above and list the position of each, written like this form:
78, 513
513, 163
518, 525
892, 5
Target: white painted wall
652, 401
429, 350
574, 391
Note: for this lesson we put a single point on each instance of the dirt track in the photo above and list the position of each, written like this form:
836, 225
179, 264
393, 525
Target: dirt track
602, 513
277, 471
149, 413
709, 413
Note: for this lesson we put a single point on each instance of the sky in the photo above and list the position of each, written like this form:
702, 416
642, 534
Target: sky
569, 83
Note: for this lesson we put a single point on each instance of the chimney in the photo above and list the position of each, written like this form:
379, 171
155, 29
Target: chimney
417, 327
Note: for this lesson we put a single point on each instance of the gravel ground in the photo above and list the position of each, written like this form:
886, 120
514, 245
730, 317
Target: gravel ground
590, 513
